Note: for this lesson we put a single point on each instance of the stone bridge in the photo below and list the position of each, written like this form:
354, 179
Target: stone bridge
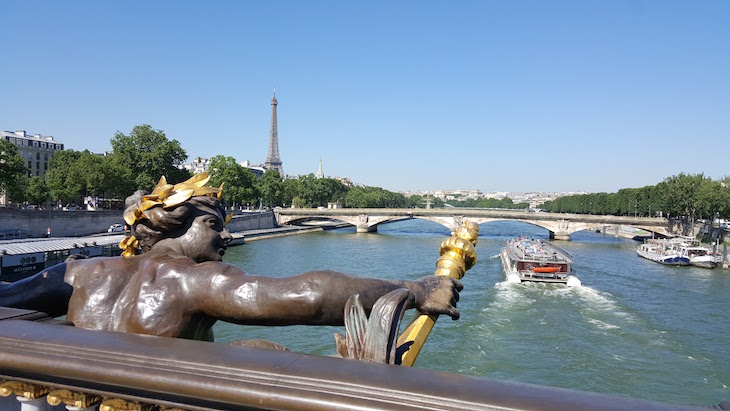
560, 225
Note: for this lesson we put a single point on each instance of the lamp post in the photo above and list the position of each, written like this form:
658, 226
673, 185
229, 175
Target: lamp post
49, 215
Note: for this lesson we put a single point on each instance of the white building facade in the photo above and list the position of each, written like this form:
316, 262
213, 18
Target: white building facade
36, 150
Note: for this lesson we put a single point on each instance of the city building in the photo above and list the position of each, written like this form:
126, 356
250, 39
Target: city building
535, 199
256, 169
201, 164
198, 165
458, 194
36, 150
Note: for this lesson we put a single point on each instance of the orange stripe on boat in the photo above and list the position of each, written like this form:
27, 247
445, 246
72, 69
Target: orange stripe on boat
545, 269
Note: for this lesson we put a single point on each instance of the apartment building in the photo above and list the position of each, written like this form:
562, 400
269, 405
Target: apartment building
36, 150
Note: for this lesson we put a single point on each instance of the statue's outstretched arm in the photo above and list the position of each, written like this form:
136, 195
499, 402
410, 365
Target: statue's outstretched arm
314, 298
45, 291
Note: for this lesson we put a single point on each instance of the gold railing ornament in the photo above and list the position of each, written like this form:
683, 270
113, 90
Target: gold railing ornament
457, 255
71, 398
118, 404
23, 389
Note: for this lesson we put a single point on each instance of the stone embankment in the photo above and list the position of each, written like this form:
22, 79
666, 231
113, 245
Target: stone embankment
240, 237
17, 223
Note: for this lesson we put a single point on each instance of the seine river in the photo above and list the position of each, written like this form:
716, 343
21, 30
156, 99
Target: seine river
635, 328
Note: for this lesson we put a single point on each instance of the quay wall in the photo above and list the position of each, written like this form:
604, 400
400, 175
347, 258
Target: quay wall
252, 221
708, 233
34, 223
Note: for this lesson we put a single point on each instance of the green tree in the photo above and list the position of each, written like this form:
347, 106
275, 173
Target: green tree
415, 201
374, 197
37, 191
328, 190
724, 211
13, 174
240, 185
144, 156
111, 186
679, 194
306, 190
88, 171
356, 198
712, 199
290, 190
271, 188
59, 177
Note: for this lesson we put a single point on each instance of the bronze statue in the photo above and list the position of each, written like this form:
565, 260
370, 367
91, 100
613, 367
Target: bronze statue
179, 287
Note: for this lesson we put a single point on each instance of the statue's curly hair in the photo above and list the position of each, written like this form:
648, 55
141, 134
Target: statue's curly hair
164, 223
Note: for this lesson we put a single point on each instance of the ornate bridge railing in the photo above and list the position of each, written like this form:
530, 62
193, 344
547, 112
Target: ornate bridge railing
114, 371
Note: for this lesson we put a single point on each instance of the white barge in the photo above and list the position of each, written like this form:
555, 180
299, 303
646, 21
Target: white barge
533, 260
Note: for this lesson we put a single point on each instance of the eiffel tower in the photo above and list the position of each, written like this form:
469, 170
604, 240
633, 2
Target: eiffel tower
273, 162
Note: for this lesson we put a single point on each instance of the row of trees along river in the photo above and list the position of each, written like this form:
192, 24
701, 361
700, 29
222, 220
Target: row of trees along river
139, 159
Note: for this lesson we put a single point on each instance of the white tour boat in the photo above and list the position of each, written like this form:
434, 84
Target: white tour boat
534, 260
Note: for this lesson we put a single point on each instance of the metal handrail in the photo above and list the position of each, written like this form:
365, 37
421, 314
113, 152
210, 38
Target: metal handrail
196, 375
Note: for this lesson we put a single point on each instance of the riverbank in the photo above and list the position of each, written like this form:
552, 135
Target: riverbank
246, 236
242, 237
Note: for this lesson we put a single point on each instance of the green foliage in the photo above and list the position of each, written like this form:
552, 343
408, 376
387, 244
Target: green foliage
488, 203
271, 188
59, 177
144, 156
415, 201
13, 174
89, 173
309, 191
240, 185
137, 162
712, 198
290, 188
683, 195
679, 194
37, 191
299, 202
374, 197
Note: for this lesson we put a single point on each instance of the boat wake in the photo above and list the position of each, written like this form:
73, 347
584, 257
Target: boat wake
595, 308
601, 302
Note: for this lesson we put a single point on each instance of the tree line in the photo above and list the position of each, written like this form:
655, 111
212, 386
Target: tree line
489, 203
691, 196
137, 161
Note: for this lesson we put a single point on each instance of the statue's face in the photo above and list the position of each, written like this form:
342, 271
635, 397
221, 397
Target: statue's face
207, 237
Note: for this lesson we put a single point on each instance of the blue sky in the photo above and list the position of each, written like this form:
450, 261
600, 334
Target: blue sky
422, 95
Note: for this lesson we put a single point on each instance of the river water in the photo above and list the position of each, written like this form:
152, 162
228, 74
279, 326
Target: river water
634, 328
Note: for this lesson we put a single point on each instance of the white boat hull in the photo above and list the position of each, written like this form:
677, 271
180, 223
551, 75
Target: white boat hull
514, 276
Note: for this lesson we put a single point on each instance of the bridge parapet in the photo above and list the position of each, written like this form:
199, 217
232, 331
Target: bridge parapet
54, 363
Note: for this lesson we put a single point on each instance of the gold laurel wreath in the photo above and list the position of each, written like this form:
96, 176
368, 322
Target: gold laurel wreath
167, 196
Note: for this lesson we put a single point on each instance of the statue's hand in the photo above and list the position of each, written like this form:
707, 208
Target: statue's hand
437, 295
